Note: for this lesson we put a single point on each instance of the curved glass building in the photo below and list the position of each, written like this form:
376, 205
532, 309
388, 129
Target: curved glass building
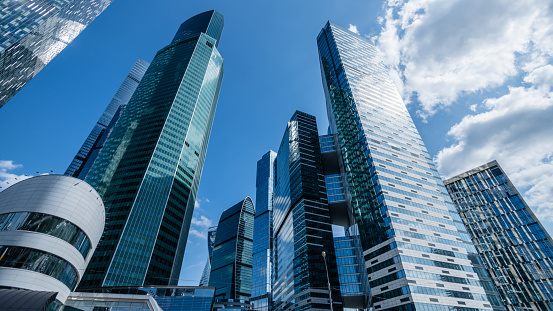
231, 266
49, 228
149, 169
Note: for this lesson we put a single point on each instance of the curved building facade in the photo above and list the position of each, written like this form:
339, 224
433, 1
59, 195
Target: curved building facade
231, 265
49, 228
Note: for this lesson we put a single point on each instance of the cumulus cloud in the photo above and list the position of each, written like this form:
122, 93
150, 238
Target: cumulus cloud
353, 28
8, 178
202, 221
441, 50
516, 130
198, 234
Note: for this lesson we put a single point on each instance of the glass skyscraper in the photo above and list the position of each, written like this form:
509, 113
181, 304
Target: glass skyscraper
415, 246
263, 233
149, 169
32, 33
211, 235
231, 265
302, 227
84, 159
516, 250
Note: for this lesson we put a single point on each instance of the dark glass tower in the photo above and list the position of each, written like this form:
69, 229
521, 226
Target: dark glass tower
263, 233
231, 265
81, 164
302, 227
414, 243
149, 169
516, 250
32, 33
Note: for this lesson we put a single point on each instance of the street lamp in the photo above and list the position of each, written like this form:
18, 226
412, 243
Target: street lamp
328, 280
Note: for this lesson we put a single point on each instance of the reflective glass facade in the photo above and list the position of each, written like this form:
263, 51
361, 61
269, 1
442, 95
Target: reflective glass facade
516, 250
231, 265
84, 159
149, 169
263, 232
302, 228
211, 235
396, 193
32, 33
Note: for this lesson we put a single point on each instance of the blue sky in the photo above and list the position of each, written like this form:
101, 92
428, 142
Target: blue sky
476, 75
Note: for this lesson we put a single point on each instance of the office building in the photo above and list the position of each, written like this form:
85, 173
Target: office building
263, 233
211, 234
231, 266
414, 243
149, 169
85, 157
49, 228
515, 248
302, 227
32, 33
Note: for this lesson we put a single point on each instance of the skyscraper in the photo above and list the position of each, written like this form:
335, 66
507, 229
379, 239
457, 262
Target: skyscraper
302, 227
414, 243
32, 33
211, 235
149, 169
231, 266
263, 232
84, 159
515, 248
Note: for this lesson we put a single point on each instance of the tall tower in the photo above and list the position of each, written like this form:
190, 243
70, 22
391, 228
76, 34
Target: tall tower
302, 224
231, 266
84, 159
32, 33
263, 232
414, 243
514, 246
211, 235
149, 169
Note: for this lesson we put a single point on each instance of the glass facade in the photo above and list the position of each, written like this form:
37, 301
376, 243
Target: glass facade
32, 33
263, 233
211, 235
39, 261
47, 224
81, 164
231, 266
149, 169
515, 249
302, 229
395, 191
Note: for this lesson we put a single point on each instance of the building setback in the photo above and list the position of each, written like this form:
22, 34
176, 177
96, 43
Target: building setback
302, 228
231, 265
263, 233
149, 169
414, 243
81, 164
32, 33
515, 248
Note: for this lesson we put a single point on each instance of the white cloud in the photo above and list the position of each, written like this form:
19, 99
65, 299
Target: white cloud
202, 221
441, 50
515, 130
196, 233
473, 107
207, 200
353, 28
6, 177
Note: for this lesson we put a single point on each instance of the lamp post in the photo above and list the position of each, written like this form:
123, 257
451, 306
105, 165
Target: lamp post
328, 280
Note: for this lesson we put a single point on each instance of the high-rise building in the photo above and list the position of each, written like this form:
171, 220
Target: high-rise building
149, 169
516, 250
32, 33
211, 235
49, 228
414, 243
231, 266
263, 233
302, 227
81, 164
